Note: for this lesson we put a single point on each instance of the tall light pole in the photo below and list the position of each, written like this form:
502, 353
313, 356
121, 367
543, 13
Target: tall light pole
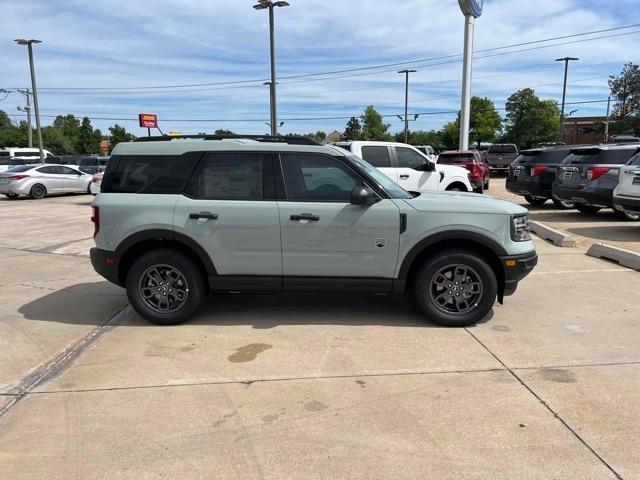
471, 9
27, 109
406, 102
566, 61
29, 44
606, 124
262, 5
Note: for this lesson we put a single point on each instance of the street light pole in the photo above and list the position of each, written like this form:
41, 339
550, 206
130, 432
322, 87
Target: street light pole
406, 103
29, 44
566, 61
261, 5
606, 124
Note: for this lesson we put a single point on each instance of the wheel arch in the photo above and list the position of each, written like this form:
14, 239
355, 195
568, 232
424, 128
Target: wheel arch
141, 242
458, 184
485, 247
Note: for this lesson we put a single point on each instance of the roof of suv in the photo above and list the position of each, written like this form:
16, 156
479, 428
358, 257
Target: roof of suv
178, 146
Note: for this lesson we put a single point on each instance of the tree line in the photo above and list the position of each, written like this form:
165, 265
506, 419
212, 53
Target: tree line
67, 135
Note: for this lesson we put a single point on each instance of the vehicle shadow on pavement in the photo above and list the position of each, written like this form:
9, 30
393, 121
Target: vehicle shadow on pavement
572, 216
81, 304
265, 311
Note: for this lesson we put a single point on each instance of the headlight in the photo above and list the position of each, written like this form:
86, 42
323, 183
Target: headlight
520, 228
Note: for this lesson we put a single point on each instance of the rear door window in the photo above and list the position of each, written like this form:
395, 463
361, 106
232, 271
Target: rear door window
51, 170
378, 156
232, 176
457, 158
161, 174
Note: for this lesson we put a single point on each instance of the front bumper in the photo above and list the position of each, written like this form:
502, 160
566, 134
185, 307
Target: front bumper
630, 204
515, 268
597, 197
105, 263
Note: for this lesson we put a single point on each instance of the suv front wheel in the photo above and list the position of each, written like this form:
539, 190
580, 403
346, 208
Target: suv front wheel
165, 287
455, 288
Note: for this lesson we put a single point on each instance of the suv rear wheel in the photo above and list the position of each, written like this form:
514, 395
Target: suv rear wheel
626, 215
587, 209
165, 287
564, 204
455, 288
535, 200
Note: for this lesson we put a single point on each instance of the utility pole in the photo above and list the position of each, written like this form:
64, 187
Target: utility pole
606, 123
261, 5
29, 44
566, 61
27, 109
406, 102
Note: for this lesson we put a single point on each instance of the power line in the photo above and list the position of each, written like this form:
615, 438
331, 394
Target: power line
292, 119
258, 82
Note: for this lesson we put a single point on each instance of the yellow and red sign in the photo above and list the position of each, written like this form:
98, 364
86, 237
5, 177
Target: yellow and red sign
148, 120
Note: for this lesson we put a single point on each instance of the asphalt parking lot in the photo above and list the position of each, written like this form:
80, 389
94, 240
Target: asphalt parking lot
305, 386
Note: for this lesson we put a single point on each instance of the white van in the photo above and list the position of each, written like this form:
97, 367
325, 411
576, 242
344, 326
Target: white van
10, 156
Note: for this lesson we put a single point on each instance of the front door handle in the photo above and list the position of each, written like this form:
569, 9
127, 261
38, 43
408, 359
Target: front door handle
305, 216
404, 177
205, 215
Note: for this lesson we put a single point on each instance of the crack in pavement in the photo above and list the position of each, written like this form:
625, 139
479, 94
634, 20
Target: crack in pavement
54, 366
548, 407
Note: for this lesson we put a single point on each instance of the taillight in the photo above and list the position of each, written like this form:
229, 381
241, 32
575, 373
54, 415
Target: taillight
538, 169
95, 219
474, 169
15, 178
594, 173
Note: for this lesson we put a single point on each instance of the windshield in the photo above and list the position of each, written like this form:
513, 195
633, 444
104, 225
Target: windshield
20, 168
392, 188
453, 158
503, 149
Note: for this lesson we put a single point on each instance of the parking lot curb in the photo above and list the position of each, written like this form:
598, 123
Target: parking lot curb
556, 237
626, 258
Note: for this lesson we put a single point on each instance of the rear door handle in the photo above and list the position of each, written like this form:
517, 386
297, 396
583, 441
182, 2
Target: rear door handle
305, 216
404, 176
206, 215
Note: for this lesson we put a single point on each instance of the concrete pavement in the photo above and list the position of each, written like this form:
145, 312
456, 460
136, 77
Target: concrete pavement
282, 386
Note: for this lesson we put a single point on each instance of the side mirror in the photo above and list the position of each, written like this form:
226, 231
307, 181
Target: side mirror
363, 196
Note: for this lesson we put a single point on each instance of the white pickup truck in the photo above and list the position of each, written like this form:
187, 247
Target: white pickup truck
408, 167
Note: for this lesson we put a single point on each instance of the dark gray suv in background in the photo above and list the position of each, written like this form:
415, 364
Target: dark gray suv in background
533, 173
588, 176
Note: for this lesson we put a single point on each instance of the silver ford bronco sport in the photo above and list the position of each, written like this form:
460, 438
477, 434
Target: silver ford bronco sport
179, 217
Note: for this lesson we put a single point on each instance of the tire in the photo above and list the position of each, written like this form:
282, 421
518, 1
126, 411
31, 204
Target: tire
186, 278
89, 189
11, 196
486, 184
535, 200
588, 209
38, 191
441, 268
480, 189
563, 204
629, 216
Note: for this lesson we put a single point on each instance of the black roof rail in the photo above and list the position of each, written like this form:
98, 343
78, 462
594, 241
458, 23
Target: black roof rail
290, 139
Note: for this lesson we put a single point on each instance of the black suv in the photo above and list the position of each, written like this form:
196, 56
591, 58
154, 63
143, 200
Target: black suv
588, 176
533, 172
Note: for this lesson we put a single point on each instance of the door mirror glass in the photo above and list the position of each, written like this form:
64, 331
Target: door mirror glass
363, 196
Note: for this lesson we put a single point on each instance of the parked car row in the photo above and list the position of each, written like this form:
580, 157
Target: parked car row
583, 177
39, 180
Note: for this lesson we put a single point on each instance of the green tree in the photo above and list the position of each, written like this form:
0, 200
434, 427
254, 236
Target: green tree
531, 120
424, 137
10, 135
119, 134
353, 130
450, 134
485, 122
373, 127
625, 88
88, 139
223, 131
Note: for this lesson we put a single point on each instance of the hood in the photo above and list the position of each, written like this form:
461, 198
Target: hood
464, 202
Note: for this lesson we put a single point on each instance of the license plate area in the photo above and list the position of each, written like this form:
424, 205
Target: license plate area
567, 176
517, 172
636, 180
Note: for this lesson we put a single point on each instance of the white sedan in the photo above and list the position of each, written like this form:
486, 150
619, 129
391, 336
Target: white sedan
40, 180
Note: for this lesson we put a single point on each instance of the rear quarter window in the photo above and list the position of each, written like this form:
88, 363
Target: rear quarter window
159, 174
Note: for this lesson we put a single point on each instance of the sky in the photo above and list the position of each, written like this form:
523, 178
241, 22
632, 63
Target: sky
99, 58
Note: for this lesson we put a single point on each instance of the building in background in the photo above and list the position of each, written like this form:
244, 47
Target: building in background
577, 130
